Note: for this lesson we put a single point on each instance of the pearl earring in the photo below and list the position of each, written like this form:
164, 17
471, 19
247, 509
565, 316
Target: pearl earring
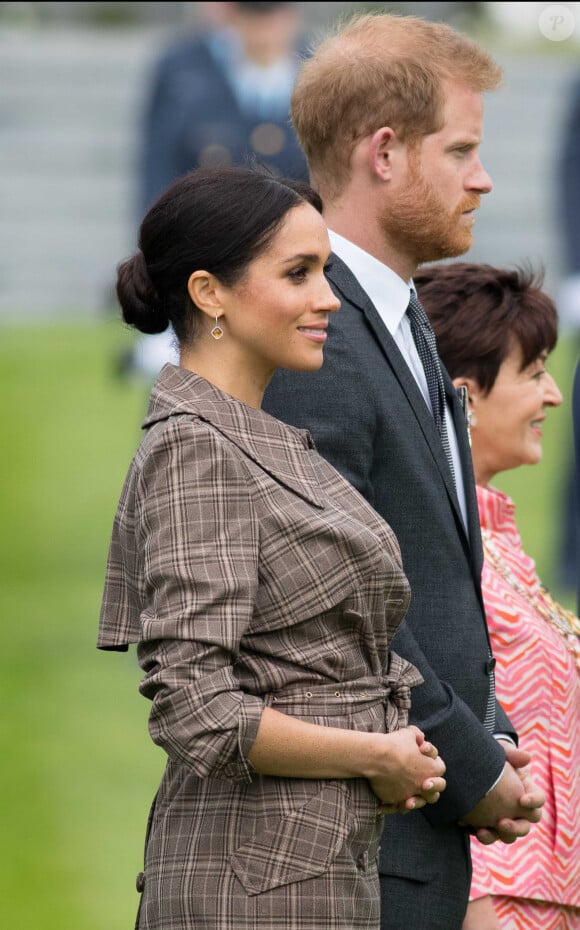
217, 331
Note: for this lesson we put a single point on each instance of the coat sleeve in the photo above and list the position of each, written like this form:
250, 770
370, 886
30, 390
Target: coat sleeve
198, 543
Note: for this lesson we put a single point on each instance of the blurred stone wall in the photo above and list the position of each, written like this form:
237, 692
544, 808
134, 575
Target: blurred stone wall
70, 105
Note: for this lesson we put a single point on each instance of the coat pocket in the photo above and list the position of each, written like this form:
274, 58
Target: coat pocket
295, 847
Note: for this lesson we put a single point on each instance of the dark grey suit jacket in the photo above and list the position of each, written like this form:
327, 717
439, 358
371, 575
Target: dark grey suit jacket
368, 418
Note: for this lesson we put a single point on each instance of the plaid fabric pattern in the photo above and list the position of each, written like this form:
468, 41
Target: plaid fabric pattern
250, 573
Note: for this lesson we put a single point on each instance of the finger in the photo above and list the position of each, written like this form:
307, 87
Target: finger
414, 803
430, 797
416, 730
403, 807
511, 830
533, 812
506, 838
434, 784
515, 756
385, 809
532, 800
486, 836
428, 749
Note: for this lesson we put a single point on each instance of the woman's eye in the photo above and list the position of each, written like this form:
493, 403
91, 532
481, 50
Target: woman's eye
298, 274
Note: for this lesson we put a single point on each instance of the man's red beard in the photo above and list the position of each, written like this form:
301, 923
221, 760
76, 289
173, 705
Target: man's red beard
419, 224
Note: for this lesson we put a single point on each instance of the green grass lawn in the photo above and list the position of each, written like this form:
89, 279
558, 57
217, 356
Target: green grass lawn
79, 770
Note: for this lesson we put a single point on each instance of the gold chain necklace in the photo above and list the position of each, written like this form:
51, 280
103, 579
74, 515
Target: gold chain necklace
562, 620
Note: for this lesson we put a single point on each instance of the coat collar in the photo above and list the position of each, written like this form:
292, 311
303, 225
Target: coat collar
283, 451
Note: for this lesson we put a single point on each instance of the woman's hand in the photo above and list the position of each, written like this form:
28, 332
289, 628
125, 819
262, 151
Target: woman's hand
411, 773
403, 769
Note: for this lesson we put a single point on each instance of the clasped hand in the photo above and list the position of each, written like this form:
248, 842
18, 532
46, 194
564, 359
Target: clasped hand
511, 807
414, 775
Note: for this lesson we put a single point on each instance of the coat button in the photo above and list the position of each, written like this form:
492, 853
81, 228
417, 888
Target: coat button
490, 665
140, 882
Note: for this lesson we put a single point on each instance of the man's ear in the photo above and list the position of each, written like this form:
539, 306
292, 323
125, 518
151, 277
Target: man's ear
204, 290
382, 149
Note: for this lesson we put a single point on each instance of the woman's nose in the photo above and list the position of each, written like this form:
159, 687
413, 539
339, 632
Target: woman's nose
328, 301
552, 394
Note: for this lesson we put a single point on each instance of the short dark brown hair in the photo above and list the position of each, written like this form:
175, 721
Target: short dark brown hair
479, 313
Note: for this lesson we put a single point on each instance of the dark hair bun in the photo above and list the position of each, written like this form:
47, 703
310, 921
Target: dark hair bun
138, 298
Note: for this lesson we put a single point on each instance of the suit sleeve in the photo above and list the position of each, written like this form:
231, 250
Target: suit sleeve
198, 543
474, 759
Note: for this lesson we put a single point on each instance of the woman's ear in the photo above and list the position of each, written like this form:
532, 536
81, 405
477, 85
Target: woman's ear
473, 389
204, 288
473, 395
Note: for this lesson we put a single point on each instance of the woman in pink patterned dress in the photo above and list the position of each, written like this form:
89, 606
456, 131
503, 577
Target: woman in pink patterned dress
495, 329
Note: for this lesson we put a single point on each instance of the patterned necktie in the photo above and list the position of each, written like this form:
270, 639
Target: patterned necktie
424, 339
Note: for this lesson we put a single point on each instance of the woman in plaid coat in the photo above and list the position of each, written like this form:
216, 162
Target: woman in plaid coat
261, 589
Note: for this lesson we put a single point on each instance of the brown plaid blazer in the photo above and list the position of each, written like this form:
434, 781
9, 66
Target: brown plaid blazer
250, 573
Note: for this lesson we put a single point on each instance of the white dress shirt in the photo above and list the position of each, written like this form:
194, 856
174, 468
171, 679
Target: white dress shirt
390, 295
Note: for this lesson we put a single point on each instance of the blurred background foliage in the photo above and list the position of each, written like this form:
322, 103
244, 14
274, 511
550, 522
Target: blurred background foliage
79, 769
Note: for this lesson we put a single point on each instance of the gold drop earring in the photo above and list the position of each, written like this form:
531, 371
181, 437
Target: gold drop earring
217, 331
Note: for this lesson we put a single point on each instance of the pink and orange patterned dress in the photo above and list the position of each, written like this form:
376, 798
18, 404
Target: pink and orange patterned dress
535, 882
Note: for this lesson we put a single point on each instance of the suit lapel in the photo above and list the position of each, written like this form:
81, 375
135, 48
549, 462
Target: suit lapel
348, 287
458, 415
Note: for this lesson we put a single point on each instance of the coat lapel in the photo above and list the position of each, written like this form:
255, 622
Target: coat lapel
283, 451
348, 287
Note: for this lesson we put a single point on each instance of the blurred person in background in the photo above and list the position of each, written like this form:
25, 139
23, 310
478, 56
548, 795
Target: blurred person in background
218, 96
222, 96
261, 589
567, 179
568, 191
495, 329
575, 501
